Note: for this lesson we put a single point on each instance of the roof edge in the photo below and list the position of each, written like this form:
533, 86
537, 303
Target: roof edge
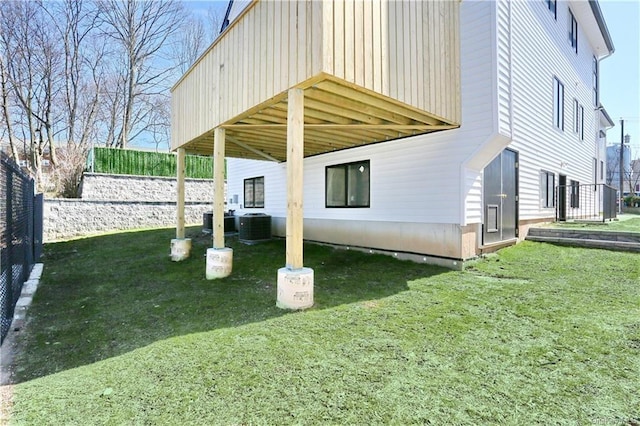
597, 13
605, 115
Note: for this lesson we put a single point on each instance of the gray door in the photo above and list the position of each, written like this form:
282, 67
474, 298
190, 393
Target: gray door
500, 193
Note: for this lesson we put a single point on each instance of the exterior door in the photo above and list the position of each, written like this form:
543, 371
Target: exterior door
562, 198
500, 193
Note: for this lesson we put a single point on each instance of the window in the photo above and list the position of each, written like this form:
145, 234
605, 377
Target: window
595, 81
601, 169
254, 192
558, 104
575, 194
551, 4
347, 185
581, 126
547, 188
573, 32
595, 173
576, 116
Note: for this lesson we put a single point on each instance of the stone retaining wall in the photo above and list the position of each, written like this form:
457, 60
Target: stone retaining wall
99, 186
68, 218
120, 202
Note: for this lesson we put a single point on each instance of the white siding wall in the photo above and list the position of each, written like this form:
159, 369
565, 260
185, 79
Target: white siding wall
416, 179
507, 70
504, 70
541, 50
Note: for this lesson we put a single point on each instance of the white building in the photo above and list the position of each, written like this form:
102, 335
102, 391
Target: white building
531, 121
433, 130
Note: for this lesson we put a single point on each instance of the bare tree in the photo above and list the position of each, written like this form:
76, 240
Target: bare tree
30, 89
140, 29
76, 22
51, 77
6, 110
632, 176
199, 31
191, 43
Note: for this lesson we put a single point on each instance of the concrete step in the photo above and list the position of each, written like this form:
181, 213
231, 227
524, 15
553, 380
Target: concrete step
586, 234
608, 240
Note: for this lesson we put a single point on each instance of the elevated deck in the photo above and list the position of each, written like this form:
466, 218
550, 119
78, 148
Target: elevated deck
371, 71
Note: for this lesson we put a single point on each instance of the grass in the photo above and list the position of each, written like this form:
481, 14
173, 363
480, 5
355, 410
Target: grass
534, 334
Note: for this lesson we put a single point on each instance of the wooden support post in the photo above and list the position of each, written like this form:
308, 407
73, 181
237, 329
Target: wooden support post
295, 282
180, 246
295, 157
218, 188
219, 257
180, 202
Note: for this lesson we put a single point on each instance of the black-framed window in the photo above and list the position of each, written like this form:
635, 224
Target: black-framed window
594, 72
254, 192
553, 6
601, 169
573, 32
581, 123
575, 194
558, 104
547, 188
348, 185
576, 116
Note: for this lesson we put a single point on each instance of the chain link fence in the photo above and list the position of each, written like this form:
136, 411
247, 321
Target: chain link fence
20, 235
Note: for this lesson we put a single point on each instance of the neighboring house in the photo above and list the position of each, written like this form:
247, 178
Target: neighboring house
491, 143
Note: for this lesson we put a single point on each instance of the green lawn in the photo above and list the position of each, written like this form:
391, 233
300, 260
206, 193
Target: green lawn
535, 334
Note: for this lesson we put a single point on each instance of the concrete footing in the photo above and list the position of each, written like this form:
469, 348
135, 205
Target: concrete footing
295, 288
219, 263
180, 249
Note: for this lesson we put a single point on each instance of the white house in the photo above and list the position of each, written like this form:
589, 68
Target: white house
512, 115
530, 121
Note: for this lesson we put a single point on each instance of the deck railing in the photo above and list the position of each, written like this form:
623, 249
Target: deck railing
591, 202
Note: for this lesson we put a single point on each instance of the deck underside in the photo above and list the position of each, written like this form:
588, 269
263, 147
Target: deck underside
337, 115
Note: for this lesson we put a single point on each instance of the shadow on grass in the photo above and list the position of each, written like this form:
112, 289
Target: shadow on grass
104, 296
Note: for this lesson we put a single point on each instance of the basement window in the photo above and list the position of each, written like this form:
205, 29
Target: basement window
547, 188
347, 185
254, 192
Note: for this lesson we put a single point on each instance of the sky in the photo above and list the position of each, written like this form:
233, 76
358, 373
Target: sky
619, 73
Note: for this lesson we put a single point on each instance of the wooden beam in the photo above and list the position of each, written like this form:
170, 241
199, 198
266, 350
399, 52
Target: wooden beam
218, 187
354, 126
295, 158
180, 177
347, 101
255, 151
